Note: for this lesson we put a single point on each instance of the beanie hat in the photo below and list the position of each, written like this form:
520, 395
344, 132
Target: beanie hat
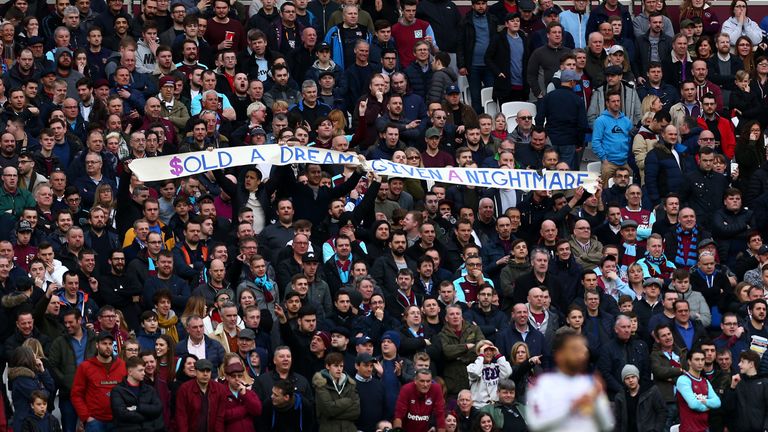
326, 338
629, 370
393, 336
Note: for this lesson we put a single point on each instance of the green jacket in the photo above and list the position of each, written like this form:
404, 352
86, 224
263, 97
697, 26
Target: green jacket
337, 407
457, 356
15, 202
61, 356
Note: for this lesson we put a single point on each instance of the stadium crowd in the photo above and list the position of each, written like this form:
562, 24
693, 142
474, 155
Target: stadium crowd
305, 298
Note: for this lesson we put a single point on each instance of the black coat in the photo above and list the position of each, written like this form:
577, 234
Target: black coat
703, 192
614, 355
497, 60
148, 415
651, 410
643, 52
466, 49
384, 271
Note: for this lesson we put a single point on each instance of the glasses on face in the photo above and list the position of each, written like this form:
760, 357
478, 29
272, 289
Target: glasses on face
527, 118
707, 139
155, 242
414, 157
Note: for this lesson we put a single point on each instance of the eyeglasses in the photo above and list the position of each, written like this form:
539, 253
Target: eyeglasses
706, 139
525, 118
414, 157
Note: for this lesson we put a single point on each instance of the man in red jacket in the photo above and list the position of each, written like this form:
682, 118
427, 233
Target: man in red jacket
200, 402
242, 406
94, 380
420, 405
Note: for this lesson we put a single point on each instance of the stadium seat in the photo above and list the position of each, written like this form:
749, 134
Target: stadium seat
510, 110
489, 105
464, 88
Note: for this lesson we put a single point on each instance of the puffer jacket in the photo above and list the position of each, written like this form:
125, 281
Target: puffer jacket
457, 356
663, 173
440, 81
418, 78
337, 404
147, 415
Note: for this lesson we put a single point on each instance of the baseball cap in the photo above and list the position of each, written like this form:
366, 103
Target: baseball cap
364, 358
569, 75
763, 250
653, 281
614, 49
452, 90
104, 335
323, 46
554, 10
326, 73
432, 132
310, 257
614, 70
258, 130
362, 340
686, 23
24, 226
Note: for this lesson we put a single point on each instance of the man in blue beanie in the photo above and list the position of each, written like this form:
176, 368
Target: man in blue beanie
393, 369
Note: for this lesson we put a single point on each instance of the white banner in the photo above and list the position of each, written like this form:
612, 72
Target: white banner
186, 164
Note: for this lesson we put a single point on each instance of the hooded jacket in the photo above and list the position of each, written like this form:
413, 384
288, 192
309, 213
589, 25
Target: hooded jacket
337, 404
631, 105
22, 382
664, 173
610, 137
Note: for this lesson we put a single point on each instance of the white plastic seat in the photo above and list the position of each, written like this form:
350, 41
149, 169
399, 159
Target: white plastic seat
486, 99
510, 110
464, 88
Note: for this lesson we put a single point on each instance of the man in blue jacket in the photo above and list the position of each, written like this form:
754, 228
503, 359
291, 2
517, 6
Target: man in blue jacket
610, 136
566, 118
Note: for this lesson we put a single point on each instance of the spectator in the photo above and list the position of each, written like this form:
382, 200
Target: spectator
338, 403
135, 404
94, 380
695, 395
198, 393
635, 404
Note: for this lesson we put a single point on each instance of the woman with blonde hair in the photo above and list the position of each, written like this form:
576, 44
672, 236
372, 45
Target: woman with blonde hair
339, 120
524, 368
196, 306
105, 197
652, 104
414, 187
